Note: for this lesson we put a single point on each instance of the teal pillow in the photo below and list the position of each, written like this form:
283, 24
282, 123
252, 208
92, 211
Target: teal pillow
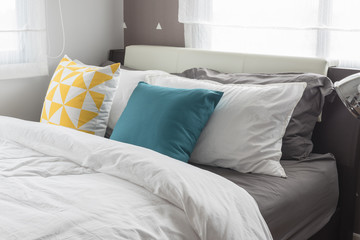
166, 120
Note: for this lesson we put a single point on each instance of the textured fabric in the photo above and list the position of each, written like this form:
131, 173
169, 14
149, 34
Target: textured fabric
166, 120
296, 207
297, 142
80, 96
57, 183
245, 131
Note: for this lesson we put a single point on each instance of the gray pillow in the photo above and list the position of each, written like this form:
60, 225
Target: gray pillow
297, 142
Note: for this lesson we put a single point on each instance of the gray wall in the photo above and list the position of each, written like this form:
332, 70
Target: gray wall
141, 18
92, 28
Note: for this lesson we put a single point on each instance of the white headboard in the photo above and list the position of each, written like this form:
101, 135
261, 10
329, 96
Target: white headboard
175, 60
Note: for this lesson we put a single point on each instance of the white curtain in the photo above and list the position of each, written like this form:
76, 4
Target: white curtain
22, 39
322, 28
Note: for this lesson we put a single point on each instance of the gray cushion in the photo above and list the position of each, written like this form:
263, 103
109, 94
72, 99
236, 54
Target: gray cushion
297, 142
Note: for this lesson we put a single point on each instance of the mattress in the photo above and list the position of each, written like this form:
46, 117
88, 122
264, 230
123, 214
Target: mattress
295, 207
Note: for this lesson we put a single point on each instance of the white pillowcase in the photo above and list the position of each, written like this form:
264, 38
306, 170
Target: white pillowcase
127, 83
246, 129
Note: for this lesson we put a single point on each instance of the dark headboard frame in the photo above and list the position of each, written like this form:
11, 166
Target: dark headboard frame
339, 133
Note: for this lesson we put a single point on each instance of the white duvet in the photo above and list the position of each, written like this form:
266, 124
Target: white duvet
57, 183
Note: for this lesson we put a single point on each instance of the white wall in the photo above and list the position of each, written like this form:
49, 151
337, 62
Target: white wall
92, 28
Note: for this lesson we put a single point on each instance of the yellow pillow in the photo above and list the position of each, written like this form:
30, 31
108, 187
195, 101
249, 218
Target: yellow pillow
80, 96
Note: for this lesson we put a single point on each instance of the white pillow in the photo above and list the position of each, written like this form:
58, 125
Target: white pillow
127, 83
246, 129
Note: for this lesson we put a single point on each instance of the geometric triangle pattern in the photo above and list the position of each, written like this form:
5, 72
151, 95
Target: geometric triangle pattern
80, 96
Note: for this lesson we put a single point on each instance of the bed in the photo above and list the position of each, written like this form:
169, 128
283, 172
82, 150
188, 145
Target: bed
280, 226
59, 187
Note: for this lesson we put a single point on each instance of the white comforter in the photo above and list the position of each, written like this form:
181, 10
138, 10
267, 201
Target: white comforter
57, 183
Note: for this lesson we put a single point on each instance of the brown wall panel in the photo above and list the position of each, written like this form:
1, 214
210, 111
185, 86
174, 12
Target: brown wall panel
142, 17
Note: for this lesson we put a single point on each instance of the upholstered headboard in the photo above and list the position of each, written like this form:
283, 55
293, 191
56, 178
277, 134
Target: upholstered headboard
175, 60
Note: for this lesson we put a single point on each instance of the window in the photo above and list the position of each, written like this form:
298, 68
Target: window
22, 39
322, 28
8, 41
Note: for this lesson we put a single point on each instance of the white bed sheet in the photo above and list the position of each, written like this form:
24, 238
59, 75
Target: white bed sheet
57, 183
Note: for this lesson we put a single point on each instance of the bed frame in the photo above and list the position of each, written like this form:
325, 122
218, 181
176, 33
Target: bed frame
337, 133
